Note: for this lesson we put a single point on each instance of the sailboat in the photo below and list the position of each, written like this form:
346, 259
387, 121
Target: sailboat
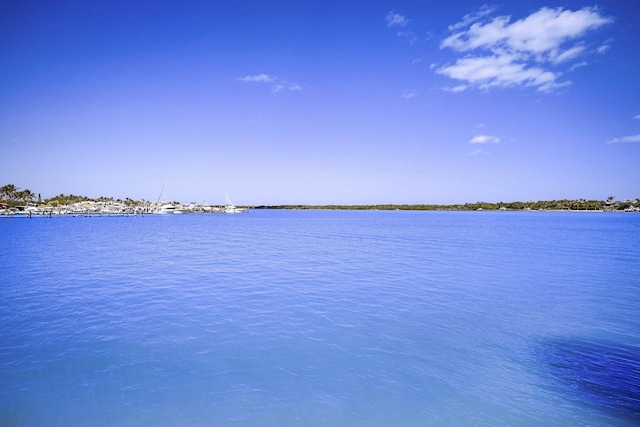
164, 207
231, 208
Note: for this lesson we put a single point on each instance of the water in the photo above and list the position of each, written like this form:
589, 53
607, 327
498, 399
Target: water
321, 318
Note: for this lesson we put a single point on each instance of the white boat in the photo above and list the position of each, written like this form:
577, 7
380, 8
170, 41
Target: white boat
231, 208
167, 209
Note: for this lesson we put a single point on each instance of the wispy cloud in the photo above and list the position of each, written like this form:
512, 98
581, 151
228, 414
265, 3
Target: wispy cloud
409, 94
632, 138
456, 89
499, 70
567, 55
396, 20
637, 117
484, 139
477, 152
292, 87
277, 85
257, 78
578, 65
409, 35
472, 17
502, 53
604, 47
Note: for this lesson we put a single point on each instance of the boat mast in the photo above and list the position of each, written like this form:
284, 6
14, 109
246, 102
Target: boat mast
164, 191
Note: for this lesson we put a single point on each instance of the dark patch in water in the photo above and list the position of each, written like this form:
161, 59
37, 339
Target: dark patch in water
601, 374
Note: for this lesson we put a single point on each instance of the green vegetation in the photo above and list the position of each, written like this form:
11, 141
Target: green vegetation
575, 205
12, 196
62, 199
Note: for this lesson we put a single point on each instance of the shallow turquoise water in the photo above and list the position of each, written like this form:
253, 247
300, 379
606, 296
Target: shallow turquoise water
321, 318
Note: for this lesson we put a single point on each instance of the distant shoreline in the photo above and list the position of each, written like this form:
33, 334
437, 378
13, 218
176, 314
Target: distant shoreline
352, 208
14, 200
540, 206
50, 214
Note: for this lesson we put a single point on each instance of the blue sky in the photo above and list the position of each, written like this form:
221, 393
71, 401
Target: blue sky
318, 102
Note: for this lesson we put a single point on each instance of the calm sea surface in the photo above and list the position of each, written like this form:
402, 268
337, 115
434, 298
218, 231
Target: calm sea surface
321, 318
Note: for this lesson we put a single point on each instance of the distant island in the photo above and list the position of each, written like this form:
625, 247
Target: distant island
609, 205
13, 198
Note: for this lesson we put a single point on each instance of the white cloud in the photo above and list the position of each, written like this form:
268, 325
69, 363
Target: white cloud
632, 138
477, 152
258, 78
578, 65
484, 139
603, 48
637, 117
409, 94
292, 87
567, 55
278, 84
396, 20
501, 53
409, 35
472, 17
456, 89
541, 32
499, 71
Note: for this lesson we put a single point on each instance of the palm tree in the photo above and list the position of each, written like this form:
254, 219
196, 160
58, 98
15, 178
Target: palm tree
25, 195
8, 191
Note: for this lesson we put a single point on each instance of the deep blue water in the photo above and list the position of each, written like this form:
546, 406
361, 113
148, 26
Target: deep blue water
321, 318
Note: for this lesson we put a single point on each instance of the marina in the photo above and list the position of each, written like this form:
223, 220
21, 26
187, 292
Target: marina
111, 208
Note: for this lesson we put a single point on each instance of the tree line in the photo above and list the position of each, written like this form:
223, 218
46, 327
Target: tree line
565, 204
13, 196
